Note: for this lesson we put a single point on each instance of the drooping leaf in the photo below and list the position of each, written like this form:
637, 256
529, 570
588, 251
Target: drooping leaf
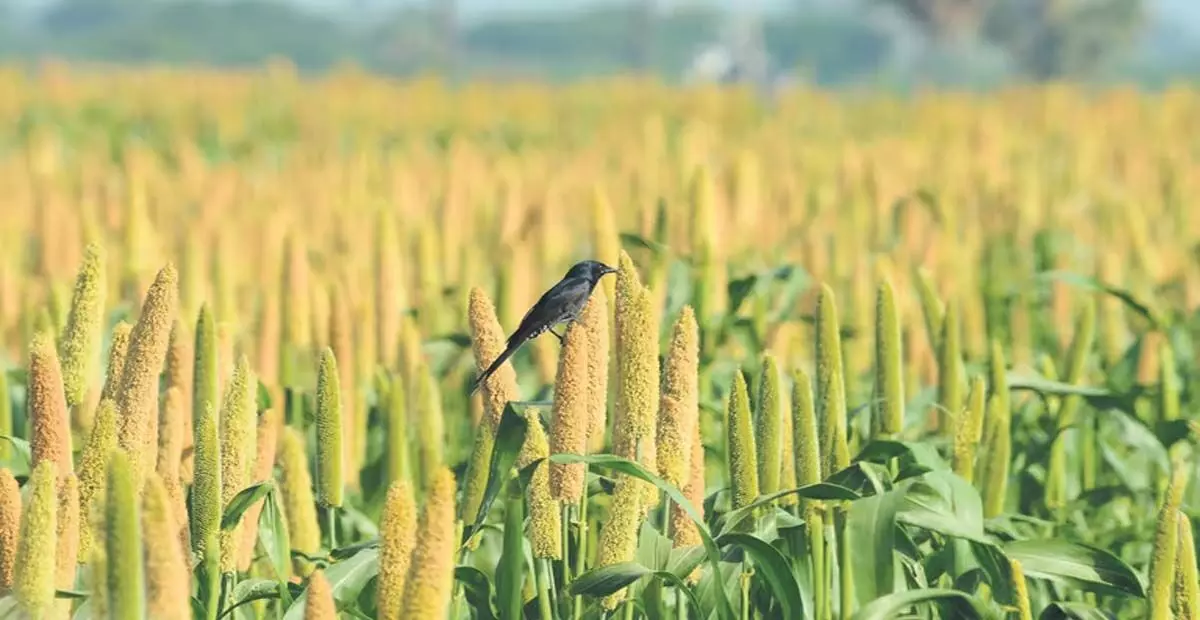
477, 589
346, 579
1076, 564
510, 436
894, 605
1145, 310
252, 590
240, 503
821, 490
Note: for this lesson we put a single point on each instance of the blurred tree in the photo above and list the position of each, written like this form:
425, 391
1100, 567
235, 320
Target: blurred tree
1050, 39
944, 20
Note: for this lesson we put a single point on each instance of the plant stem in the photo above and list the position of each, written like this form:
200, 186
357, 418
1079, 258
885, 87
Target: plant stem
627, 610
331, 520
567, 509
846, 588
545, 607
581, 553
745, 579
816, 535
212, 582
228, 583
681, 610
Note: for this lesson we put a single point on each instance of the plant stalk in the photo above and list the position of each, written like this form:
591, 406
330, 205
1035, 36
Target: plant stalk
331, 520
581, 553
545, 605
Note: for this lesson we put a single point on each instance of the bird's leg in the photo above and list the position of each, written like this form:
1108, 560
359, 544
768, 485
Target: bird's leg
556, 335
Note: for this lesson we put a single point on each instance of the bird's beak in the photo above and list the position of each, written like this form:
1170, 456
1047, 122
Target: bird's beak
608, 270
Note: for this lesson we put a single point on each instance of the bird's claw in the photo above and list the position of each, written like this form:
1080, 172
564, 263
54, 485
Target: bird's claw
556, 335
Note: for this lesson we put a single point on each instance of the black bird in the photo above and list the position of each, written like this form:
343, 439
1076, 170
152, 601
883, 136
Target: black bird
561, 304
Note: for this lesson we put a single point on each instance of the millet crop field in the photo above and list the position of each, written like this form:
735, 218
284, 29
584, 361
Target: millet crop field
866, 356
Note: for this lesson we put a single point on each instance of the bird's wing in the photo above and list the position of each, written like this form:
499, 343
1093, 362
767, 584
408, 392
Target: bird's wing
548, 308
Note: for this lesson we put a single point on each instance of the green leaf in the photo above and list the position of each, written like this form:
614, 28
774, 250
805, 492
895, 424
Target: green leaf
71, 594
602, 581
263, 397
252, 590
19, 462
773, 567
242, 502
629, 468
942, 502
872, 523
1076, 564
510, 436
274, 538
631, 240
1129, 299
477, 589
342, 553
346, 578
894, 605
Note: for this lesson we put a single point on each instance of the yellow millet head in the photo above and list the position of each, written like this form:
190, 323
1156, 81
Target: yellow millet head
48, 412
488, 342
238, 444
137, 398
397, 537
320, 604
427, 588
296, 487
545, 528
595, 319
569, 430
167, 587
618, 536
634, 428
66, 547
10, 528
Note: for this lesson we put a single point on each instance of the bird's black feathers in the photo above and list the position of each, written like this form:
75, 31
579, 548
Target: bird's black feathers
562, 303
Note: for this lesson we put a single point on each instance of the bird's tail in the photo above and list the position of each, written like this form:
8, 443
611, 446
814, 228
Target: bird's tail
508, 351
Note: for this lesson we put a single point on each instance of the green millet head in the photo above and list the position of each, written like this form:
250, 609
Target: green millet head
831, 386
768, 427
93, 469
34, 582
742, 459
79, 345
206, 503
66, 547
118, 348
1166, 545
238, 446
1187, 582
329, 432
889, 363
569, 430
